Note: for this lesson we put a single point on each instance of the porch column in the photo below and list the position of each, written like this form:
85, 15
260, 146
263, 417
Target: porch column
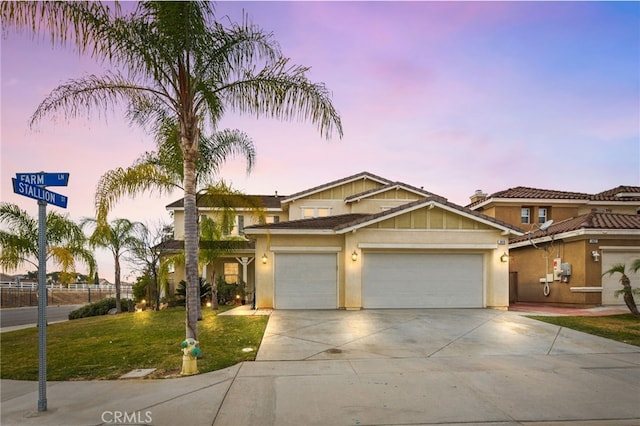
250, 290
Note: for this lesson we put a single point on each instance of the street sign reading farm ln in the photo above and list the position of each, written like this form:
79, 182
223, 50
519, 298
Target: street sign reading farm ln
44, 179
39, 193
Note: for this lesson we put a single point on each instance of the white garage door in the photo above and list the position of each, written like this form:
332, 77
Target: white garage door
422, 280
306, 281
612, 283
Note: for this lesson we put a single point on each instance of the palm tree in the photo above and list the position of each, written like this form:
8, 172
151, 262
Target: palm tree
180, 63
118, 237
626, 291
163, 171
66, 243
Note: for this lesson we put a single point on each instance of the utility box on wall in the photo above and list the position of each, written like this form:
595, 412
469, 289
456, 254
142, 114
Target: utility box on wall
557, 269
565, 272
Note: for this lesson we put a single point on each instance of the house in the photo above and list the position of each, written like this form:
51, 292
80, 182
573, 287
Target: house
569, 240
364, 241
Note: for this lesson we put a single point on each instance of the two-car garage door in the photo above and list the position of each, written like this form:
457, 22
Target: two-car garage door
422, 280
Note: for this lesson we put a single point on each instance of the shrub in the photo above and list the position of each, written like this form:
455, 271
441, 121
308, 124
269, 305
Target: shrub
101, 307
227, 292
181, 292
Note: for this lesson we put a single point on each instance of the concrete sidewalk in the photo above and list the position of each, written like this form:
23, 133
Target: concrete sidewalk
379, 367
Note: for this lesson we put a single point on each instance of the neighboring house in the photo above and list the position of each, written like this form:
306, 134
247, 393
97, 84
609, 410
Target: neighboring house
367, 242
589, 234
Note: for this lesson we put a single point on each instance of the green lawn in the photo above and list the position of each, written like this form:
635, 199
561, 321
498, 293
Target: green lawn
623, 328
109, 346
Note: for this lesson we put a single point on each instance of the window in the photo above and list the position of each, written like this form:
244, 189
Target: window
231, 272
273, 219
269, 219
309, 212
543, 214
525, 215
238, 225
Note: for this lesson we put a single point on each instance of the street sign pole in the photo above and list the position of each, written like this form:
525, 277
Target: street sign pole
42, 306
33, 185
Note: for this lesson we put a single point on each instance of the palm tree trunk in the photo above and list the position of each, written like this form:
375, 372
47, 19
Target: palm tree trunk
116, 259
628, 295
191, 235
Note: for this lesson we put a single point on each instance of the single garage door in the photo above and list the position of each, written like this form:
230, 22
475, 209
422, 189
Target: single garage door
422, 280
611, 283
306, 281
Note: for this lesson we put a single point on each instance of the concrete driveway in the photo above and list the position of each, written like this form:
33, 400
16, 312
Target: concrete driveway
450, 366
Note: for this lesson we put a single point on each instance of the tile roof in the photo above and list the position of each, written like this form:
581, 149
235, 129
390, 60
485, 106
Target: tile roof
336, 183
231, 245
620, 193
207, 200
592, 221
525, 192
316, 223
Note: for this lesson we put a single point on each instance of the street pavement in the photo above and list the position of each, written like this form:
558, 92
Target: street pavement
372, 367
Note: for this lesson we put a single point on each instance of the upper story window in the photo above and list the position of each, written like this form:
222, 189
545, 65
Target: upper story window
309, 212
525, 215
269, 219
238, 225
543, 214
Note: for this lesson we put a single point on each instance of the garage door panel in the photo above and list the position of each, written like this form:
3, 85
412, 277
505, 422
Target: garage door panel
305, 281
611, 283
421, 280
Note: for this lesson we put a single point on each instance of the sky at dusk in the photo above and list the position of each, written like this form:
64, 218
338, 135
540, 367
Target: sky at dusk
450, 96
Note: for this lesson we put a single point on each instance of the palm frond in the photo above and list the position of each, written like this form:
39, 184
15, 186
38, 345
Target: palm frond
132, 181
283, 92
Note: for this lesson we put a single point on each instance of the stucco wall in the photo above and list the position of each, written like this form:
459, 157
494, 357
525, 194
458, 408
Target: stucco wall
529, 264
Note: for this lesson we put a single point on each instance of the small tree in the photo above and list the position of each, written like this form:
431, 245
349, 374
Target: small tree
118, 238
144, 255
626, 291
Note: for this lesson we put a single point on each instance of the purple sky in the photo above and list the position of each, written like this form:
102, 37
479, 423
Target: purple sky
450, 96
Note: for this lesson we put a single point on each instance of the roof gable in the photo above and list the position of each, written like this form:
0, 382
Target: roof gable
341, 188
394, 190
466, 218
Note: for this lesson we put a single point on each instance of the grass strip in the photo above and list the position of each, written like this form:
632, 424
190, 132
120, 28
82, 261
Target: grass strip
109, 346
623, 328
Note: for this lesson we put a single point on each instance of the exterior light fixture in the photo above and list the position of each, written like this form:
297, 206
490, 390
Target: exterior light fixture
504, 258
264, 259
354, 256
596, 255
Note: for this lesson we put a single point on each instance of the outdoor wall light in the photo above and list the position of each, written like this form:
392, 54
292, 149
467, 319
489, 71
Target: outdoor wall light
264, 259
504, 258
596, 255
354, 256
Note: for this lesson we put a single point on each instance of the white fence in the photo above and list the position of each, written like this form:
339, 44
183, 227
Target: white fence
13, 294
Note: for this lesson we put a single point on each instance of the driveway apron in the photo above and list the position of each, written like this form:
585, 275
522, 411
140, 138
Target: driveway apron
437, 366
